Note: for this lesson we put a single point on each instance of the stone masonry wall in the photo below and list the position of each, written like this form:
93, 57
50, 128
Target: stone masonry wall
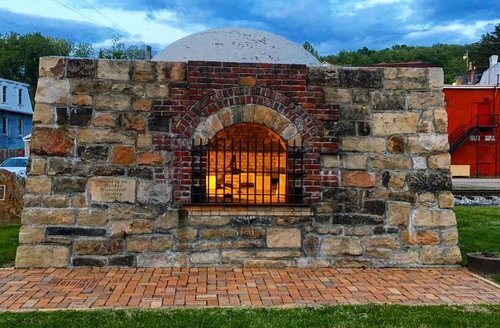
109, 179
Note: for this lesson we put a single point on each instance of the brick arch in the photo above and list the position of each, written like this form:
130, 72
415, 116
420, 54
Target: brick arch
249, 113
241, 96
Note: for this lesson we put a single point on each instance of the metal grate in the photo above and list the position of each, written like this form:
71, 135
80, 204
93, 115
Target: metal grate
237, 171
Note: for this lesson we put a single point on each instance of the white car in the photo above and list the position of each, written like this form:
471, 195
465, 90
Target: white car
16, 165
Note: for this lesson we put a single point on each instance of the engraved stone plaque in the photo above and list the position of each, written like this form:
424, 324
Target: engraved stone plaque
112, 189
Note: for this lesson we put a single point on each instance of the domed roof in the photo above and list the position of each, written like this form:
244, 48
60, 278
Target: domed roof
237, 45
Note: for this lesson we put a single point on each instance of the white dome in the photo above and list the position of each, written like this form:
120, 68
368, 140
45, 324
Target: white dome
237, 45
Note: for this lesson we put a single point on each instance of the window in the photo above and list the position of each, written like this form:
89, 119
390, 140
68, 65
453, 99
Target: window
247, 164
20, 126
5, 125
20, 97
4, 94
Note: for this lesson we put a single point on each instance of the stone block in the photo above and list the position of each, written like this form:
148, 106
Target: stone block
154, 158
382, 242
122, 155
107, 102
385, 124
283, 238
130, 227
105, 119
52, 67
133, 122
31, 234
397, 180
440, 255
142, 105
56, 201
427, 237
212, 257
101, 136
446, 200
158, 91
449, 236
82, 100
52, 91
391, 162
88, 261
370, 78
362, 179
362, 230
355, 161
92, 217
341, 246
436, 78
396, 144
168, 220
363, 144
97, 246
253, 233
407, 258
153, 192
42, 256
42, 114
211, 233
439, 161
49, 216
428, 143
398, 213
163, 260
440, 121
388, 100
144, 71
149, 244
69, 185
94, 153
122, 261
208, 220
52, 141
433, 218
114, 69
144, 141
330, 161
80, 116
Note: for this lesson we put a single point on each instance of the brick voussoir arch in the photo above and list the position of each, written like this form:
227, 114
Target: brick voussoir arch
212, 103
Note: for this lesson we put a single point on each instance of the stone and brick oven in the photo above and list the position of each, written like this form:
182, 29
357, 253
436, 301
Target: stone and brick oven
148, 164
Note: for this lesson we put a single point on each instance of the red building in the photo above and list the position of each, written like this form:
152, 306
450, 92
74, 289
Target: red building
474, 128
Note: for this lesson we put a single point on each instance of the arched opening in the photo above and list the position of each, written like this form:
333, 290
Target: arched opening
247, 163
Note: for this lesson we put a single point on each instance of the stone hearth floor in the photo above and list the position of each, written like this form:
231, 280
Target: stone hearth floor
202, 287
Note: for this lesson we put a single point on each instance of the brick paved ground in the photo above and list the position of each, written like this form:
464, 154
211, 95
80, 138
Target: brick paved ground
173, 287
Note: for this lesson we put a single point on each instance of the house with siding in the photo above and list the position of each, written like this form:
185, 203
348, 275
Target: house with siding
16, 114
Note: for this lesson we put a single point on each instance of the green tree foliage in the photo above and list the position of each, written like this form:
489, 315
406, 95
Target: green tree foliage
19, 55
482, 50
309, 47
120, 50
83, 50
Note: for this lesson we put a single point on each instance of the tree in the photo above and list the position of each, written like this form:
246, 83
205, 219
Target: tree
19, 55
119, 50
83, 50
487, 46
309, 47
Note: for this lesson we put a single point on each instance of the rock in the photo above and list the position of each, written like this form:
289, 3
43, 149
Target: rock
211, 257
97, 247
150, 158
149, 244
283, 237
52, 67
49, 216
52, 141
31, 235
439, 161
382, 242
112, 189
130, 227
446, 200
12, 189
398, 213
440, 255
52, 91
114, 69
427, 237
428, 143
341, 246
385, 124
362, 179
363, 144
163, 260
433, 218
123, 155
153, 192
388, 100
42, 256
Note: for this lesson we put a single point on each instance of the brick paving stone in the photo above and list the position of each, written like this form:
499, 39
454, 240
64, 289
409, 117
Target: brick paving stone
201, 287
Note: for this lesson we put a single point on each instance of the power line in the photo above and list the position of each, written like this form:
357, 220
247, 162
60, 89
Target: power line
113, 22
114, 30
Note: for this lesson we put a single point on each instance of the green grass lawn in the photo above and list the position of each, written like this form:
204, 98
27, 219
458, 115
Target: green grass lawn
325, 316
9, 237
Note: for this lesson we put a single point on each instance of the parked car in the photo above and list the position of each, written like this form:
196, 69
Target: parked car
17, 165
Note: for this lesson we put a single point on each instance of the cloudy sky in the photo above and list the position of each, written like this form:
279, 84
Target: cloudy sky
330, 25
